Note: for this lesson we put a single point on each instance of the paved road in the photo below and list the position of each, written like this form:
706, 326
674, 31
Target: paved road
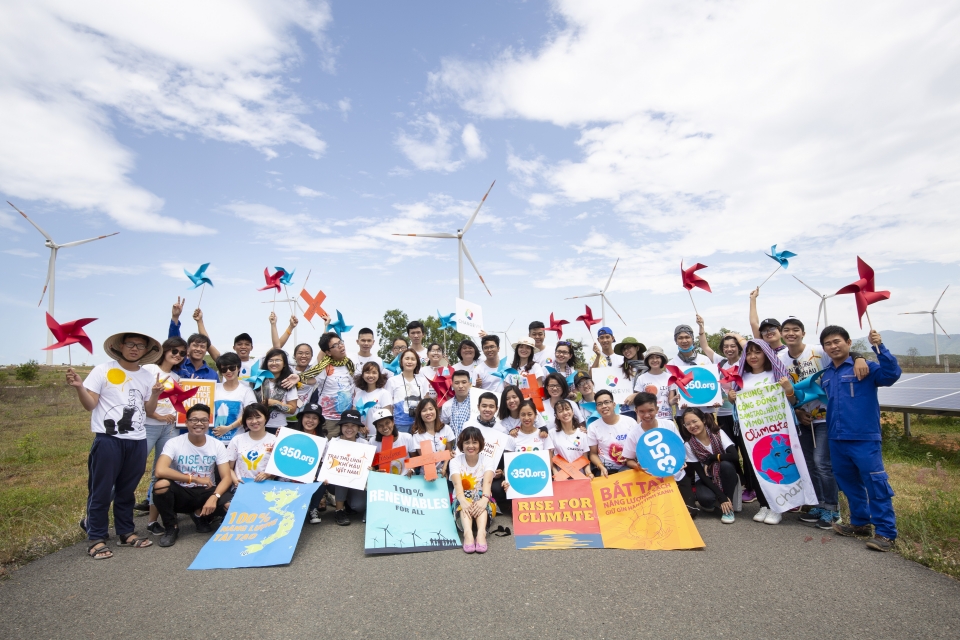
751, 581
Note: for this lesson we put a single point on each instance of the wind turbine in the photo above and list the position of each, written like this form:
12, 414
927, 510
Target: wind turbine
936, 323
823, 302
461, 245
603, 297
506, 346
386, 532
51, 269
414, 536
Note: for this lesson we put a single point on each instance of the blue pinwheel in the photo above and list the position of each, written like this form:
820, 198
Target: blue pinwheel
200, 277
364, 407
503, 371
570, 377
809, 389
340, 327
590, 411
287, 277
782, 259
257, 375
393, 366
447, 321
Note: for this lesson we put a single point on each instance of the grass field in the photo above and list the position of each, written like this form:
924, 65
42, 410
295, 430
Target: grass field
45, 436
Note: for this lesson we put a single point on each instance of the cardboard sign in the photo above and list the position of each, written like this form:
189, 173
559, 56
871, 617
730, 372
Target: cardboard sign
567, 521
204, 395
296, 455
469, 318
408, 515
703, 390
347, 464
528, 474
494, 444
613, 380
660, 452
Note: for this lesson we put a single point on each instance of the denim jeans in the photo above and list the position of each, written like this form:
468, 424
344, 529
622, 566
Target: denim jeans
157, 437
819, 464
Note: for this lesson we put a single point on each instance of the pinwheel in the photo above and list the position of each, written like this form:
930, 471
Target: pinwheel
257, 375
678, 377
864, 291
273, 282
691, 280
285, 279
557, 325
731, 375
570, 377
442, 383
340, 327
447, 321
809, 389
69, 333
364, 407
503, 371
781, 257
393, 366
588, 320
200, 279
177, 394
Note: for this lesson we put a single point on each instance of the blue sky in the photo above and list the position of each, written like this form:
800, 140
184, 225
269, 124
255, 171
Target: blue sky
303, 134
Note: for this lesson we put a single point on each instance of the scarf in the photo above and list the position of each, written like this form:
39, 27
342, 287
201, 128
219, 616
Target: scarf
716, 448
315, 370
689, 356
779, 369
487, 423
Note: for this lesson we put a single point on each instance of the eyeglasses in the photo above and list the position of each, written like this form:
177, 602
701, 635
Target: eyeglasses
605, 403
198, 420
275, 361
139, 346
769, 331
229, 367
554, 387
178, 352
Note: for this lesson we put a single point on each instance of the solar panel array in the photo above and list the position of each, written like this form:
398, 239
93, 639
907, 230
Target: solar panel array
923, 393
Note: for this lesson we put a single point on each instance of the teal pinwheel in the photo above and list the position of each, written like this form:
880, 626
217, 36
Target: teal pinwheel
200, 277
570, 377
502, 371
257, 375
809, 389
287, 277
782, 257
447, 321
393, 366
364, 407
340, 327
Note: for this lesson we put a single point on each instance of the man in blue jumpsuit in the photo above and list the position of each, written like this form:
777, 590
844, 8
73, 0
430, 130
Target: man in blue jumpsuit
853, 427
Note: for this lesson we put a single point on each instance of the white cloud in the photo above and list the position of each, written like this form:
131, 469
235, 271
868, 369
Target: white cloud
344, 106
431, 147
22, 253
71, 270
471, 143
306, 192
213, 70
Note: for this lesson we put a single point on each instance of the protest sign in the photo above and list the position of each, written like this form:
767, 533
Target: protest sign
408, 515
494, 444
347, 464
204, 395
660, 452
613, 380
568, 520
296, 455
773, 446
261, 528
528, 474
469, 318
703, 390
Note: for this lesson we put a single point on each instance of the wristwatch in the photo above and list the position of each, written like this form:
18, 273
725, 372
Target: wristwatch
216, 495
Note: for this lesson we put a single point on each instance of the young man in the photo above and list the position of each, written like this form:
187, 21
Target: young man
486, 415
193, 366
119, 395
456, 411
334, 380
490, 345
415, 332
185, 473
230, 399
605, 356
853, 428
537, 330
365, 340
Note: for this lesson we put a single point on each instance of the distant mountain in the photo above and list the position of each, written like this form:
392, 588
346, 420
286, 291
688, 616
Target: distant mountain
899, 342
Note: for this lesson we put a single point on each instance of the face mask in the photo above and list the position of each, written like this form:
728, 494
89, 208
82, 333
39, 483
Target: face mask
688, 350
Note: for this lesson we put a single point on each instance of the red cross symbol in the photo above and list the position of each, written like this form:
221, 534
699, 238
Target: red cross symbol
534, 391
569, 470
428, 459
313, 304
388, 454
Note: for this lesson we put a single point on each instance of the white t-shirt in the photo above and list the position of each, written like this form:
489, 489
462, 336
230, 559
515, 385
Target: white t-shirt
633, 438
228, 406
544, 358
488, 382
725, 442
474, 422
609, 440
456, 413
572, 446
754, 380
657, 385
810, 361
251, 456
471, 477
532, 441
277, 418
120, 411
405, 395
164, 407
520, 379
400, 440
380, 399
548, 413
727, 408
700, 360
335, 385
199, 462
362, 360
423, 355
469, 368
441, 440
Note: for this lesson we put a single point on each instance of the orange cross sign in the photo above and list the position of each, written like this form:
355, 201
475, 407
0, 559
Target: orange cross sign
388, 454
569, 470
534, 391
428, 459
313, 304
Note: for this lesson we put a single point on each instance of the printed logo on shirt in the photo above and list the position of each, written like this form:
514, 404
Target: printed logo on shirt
615, 452
252, 459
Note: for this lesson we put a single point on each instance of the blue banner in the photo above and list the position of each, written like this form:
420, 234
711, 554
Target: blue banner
261, 528
408, 515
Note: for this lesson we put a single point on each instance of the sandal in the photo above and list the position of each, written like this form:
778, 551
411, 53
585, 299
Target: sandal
135, 541
99, 551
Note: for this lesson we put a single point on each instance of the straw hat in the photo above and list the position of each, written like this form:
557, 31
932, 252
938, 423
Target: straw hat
525, 341
112, 347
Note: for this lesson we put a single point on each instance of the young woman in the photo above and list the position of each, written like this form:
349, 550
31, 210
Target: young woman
399, 346
356, 498
509, 412
569, 439
249, 452
472, 478
436, 362
565, 359
161, 424
311, 422
370, 394
384, 426
656, 381
407, 390
530, 437
467, 354
524, 363
759, 366
230, 398
606, 436
557, 390
711, 455
281, 402
631, 350
427, 426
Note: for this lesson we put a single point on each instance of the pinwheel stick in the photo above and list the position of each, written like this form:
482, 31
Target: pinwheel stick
866, 310
690, 293
770, 276
69, 355
289, 301
273, 309
204, 286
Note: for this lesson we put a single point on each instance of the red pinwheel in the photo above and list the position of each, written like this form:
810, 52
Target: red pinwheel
273, 281
177, 395
442, 383
731, 375
678, 377
69, 333
864, 291
691, 280
557, 325
588, 319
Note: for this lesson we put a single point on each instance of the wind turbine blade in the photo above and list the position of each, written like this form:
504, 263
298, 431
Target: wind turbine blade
614, 310
510, 326
586, 295
45, 234
50, 265
909, 313
77, 242
474, 216
941, 327
466, 252
427, 235
607, 286
940, 298
820, 307
808, 286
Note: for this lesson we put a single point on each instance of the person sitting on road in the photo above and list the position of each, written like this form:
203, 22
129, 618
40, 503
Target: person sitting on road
385, 427
311, 421
472, 476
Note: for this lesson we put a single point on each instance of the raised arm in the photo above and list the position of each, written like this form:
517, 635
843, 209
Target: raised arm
198, 316
280, 340
174, 330
754, 318
704, 345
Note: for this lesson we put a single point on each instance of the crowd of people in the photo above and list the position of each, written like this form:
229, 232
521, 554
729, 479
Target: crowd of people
197, 468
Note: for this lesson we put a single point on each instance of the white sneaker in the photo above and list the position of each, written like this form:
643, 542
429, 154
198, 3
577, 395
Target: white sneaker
773, 517
314, 516
761, 515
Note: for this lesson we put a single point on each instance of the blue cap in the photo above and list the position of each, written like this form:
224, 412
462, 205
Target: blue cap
605, 330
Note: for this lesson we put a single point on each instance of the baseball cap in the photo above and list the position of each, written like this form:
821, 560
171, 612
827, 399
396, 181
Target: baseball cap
351, 416
770, 322
605, 330
380, 414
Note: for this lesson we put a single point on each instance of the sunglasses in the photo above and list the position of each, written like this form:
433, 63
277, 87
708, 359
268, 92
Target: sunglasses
229, 367
178, 352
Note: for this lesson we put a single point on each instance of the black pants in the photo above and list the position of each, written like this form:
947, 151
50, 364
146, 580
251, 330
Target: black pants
179, 499
748, 479
353, 498
115, 466
728, 481
686, 489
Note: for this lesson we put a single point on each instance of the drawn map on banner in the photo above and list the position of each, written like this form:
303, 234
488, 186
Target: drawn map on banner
408, 515
261, 528
204, 396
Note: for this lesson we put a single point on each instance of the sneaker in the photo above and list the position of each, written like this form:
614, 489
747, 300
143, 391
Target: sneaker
852, 531
706, 509
761, 515
169, 537
155, 528
772, 517
727, 518
813, 515
314, 516
142, 506
202, 523
749, 496
827, 519
693, 511
879, 543
341, 518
